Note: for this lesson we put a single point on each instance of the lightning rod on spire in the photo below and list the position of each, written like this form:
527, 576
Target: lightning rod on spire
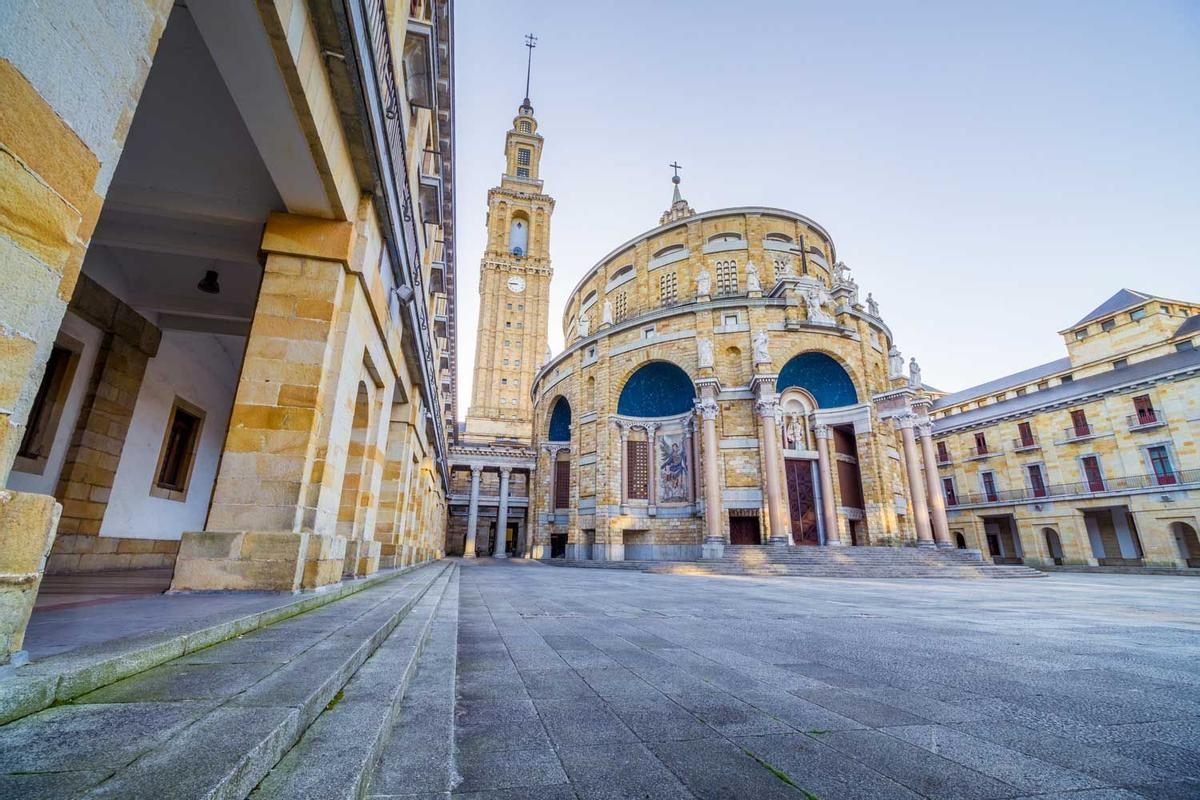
530, 42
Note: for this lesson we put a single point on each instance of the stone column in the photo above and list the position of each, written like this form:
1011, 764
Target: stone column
652, 466
502, 515
937, 503
472, 514
781, 532
824, 435
916, 485
714, 539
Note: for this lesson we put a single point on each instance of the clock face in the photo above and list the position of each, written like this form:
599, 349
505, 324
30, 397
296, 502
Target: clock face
516, 284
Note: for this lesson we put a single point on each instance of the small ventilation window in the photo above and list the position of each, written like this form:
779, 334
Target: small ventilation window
178, 453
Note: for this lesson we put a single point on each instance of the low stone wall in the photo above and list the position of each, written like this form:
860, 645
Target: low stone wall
74, 553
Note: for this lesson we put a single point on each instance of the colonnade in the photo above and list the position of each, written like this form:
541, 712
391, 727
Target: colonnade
502, 509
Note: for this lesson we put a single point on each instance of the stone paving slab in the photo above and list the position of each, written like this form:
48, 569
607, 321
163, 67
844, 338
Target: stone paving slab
1070, 688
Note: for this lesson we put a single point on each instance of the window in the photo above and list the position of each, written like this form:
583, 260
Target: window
523, 156
520, 306
637, 475
1165, 309
517, 362
562, 484
1000, 397
178, 451
620, 306
1144, 409
508, 306
522, 172
506, 362
1137, 313
507, 324
1108, 324
727, 277
648, 332
1043, 386
1066, 379
1184, 346
504, 381
591, 352
1036, 481
943, 453
1020, 392
1025, 430
1081, 334
989, 486
1120, 363
668, 288
778, 237
1079, 423
507, 342
1092, 474
503, 401
670, 250
520, 324
1160, 460
948, 488
731, 320
981, 447
526, 127
47, 408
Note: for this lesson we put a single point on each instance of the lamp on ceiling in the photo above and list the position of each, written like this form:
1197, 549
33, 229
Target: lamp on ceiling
209, 284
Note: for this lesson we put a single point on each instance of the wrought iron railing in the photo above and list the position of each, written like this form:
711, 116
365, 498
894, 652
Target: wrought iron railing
1081, 431
1096, 486
1030, 443
1146, 418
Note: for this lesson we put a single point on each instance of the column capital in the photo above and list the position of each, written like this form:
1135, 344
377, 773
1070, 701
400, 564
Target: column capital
822, 431
476, 469
505, 471
925, 429
905, 421
707, 408
767, 406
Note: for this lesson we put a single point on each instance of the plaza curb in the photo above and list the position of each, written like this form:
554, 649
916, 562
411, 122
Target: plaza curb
61, 678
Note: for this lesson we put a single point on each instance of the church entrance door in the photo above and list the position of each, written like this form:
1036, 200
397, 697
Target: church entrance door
802, 505
744, 530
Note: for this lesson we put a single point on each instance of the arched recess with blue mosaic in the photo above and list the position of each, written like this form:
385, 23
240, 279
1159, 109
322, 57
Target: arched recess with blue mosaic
822, 377
560, 421
657, 389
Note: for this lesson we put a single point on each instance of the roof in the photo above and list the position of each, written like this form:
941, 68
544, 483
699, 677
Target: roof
1190, 325
1081, 387
1122, 299
1016, 379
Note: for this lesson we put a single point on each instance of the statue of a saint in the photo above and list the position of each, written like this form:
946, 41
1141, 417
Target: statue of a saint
704, 352
895, 363
752, 282
608, 313
762, 348
872, 306
703, 284
914, 374
585, 325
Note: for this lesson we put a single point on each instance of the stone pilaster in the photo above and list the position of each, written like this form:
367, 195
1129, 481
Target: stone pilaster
715, 538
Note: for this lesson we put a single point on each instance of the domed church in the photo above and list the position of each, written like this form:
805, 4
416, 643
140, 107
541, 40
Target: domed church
723, 382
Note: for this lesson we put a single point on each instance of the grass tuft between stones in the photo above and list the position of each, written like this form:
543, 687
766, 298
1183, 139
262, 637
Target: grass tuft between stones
337, 698
783, 776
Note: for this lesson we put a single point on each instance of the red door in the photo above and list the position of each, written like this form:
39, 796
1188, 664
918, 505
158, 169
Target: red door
802, 501
1091, 470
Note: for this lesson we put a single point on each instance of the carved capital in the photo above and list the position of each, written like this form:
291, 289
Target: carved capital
925, 429
505, 472
767, 406
476, 469
905, 421
823, 432
708, 408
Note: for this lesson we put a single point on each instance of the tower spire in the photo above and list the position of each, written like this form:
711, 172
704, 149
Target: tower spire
530, 42
679, 207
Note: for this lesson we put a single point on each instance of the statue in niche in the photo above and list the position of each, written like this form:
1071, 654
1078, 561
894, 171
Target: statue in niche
895, 363
814, 298
584, 326
608, 313
794, 433
703, 283
752, 282
704, 352
914, 374
762, 348
872, 306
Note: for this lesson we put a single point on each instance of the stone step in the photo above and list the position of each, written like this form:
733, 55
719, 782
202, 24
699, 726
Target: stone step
256, 695
338, 753
862, 568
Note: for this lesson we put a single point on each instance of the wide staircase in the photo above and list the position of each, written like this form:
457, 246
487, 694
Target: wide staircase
829, 562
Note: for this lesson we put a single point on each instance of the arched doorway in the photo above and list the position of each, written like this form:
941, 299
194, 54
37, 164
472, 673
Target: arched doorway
960, 541
1188, 543
1053, 545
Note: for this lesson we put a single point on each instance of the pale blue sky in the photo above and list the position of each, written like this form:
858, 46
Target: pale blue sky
990, 171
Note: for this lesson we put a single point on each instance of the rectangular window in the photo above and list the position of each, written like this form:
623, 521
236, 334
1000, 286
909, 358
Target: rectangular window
47, 406
948, 487
1092, 474
989, 486
1184, 346
648, 333
1066, 379
562, 484
1026, 432
508, 306
178, 451
517, 362
668, 288
1043, 386
1079, 423
1160, 460
981, 447
1036, 481
620, 306
1108, 324
523, 156
943, 453
637, 475
1137, 313
1121, 363
1020, 392
504, 381
727, 277
1081, 334
731, 320
1144, 409
522, 172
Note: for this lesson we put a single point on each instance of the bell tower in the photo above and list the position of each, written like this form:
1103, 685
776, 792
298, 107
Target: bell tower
514, 288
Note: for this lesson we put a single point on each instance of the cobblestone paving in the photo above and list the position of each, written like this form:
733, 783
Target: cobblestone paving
598, 684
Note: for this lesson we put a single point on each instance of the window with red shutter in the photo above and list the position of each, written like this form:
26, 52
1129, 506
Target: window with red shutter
1079, 422
1145, 411
943, 453
981, 447
1036, 481
1026, 431
562, 484
637, 475
951, 497
1091, 471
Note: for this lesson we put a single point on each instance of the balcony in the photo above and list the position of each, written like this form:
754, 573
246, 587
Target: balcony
1024, 445
437, 275
1079, 433
431, 187
1094, 487
979, 453
1145, 419
441, 313
944, 460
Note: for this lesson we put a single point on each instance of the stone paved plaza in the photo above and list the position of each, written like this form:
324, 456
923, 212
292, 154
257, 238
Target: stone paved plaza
602, 684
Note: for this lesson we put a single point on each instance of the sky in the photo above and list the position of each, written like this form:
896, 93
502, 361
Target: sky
989, 171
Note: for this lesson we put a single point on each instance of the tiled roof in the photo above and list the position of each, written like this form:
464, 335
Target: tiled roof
1137, 371
1122, 299
1189, 326
1008, 381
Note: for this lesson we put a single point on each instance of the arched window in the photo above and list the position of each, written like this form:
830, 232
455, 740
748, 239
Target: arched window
728, 236
822, 377
658, 389
778, 237
670, 250
518, 236
591, 296
560, 421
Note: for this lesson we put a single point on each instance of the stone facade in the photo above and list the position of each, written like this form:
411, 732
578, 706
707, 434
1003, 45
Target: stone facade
1088, 461
286, 240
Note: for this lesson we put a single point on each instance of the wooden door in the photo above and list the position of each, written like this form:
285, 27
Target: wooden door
802, 505
744, 530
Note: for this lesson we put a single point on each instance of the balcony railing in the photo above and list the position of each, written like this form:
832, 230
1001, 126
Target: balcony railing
943, 459
1077, 433
982, 452
1022, 445
1096, 486
1145, 420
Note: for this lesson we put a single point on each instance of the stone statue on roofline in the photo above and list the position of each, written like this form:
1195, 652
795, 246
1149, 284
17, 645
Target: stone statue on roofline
872, 306
895, 363
914, 374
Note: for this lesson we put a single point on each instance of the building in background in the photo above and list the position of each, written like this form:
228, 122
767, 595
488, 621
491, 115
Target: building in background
1088, 460
227, 338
